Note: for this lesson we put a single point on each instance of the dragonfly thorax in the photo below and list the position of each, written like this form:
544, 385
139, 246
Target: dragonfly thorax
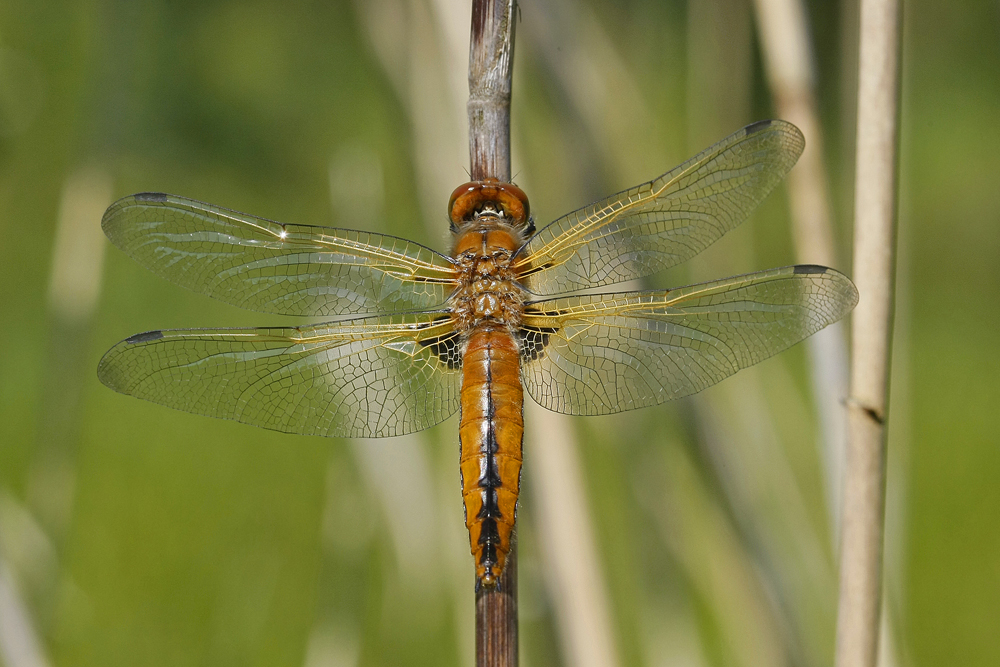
488, 291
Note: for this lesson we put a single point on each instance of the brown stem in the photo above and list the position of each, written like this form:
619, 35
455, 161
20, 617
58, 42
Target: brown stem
496, 618
491, 56
491, 53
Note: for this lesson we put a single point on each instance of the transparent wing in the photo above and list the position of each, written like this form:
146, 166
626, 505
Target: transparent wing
604, 353
273, 268
662, 223
369, 377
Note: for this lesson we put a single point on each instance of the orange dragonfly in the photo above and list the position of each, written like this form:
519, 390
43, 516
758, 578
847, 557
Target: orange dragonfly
470, 331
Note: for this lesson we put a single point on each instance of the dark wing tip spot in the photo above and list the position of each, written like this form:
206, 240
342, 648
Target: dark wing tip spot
754, 128
144, 337
810, 268
150, 196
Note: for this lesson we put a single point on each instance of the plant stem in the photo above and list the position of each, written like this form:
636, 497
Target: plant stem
491, 53
491, 59
874, 271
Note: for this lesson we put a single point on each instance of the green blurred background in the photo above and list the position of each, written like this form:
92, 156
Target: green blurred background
131, 534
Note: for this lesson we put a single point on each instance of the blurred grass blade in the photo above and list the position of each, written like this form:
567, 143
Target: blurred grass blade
19, 643
788, 61
565, 529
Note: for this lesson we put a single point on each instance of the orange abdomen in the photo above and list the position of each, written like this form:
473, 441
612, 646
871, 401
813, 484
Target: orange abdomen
491, 433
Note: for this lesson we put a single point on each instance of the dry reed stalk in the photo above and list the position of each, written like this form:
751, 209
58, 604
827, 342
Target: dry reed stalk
491, 54
874, 270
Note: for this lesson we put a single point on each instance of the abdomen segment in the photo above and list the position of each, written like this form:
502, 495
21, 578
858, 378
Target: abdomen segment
491, 432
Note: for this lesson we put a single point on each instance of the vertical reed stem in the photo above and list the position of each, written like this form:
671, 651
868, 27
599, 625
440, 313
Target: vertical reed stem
874, 270
491, 59
491, 53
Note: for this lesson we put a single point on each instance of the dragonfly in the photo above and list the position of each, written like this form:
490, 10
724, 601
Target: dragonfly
413, 336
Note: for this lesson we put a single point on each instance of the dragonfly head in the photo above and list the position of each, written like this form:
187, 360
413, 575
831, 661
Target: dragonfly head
489, 197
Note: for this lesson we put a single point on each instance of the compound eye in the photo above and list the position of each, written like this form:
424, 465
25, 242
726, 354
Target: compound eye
463, 201
514, 202
473, 196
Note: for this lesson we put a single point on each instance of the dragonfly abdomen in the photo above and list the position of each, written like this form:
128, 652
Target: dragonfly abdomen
491, 432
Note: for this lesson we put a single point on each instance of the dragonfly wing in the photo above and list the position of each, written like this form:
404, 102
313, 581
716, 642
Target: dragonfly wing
368, 377
604, 353
273, 268
662, 223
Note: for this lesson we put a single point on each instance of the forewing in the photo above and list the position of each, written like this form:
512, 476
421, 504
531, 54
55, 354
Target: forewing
369, 377
656, 225
273, 268
604, 353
